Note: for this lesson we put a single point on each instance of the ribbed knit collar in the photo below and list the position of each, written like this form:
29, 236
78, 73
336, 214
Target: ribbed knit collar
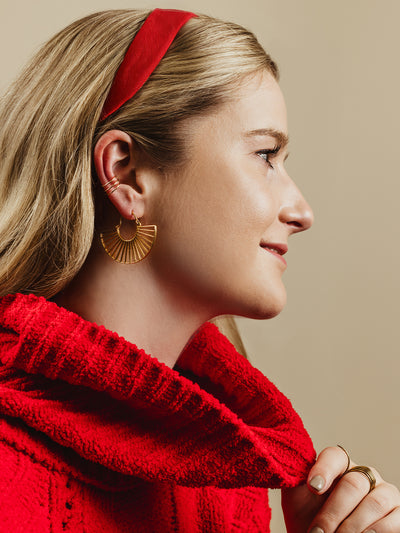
213, 419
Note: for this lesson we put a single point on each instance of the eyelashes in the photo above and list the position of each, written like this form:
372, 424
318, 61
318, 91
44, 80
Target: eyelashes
270, 153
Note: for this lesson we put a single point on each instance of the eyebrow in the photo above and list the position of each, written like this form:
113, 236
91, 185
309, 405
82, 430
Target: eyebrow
281, 138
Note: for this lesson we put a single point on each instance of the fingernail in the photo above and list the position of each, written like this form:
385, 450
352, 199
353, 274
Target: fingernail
316, 529
371, 531
317, 483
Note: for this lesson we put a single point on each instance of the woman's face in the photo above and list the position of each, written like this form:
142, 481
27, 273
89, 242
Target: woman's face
216, 215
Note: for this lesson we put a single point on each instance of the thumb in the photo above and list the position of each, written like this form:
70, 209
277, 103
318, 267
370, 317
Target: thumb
331, 463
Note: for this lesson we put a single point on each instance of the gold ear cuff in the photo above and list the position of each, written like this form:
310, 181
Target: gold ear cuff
111, 186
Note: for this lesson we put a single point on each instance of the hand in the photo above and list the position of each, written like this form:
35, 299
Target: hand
343, 504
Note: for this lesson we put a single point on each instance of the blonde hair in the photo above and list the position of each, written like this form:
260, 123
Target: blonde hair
50, 123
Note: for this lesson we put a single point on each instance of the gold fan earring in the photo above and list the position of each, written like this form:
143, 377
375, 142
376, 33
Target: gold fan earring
129, 251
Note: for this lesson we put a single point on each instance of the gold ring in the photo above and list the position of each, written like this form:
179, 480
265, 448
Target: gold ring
348, 459
367, 472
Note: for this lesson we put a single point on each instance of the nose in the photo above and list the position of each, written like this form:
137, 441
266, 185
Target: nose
295, 211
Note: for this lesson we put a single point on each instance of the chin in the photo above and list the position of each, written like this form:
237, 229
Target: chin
268, 306
271, 312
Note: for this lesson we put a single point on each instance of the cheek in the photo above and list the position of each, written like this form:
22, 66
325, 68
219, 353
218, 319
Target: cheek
258, 208
228, 212
212, 224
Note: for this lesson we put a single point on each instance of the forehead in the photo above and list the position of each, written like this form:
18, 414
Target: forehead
256, 107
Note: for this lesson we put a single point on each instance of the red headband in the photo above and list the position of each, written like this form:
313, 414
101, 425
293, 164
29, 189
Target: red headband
143, 55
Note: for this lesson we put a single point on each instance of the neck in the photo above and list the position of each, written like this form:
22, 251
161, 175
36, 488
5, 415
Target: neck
133, 302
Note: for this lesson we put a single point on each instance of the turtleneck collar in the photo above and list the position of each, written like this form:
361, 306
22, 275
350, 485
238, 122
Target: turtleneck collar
213, 419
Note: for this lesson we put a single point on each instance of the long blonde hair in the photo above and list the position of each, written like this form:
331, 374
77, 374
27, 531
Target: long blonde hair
49, 121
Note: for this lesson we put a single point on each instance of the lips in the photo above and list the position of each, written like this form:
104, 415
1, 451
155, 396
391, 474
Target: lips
279, 248
276, 249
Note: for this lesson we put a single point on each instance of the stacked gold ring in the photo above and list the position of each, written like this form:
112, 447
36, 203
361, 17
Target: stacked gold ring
362, 469
111, 185
367, 473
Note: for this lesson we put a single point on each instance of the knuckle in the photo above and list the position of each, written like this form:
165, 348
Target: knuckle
333, 449
380, 501
354, 482
394, 491
327, 520
327, 450
347, 527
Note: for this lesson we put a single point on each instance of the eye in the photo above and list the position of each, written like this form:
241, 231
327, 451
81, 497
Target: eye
268, 154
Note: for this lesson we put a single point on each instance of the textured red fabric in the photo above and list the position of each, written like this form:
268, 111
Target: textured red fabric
97, 435
143, 55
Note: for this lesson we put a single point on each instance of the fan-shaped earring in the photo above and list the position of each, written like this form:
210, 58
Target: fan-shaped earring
128, 251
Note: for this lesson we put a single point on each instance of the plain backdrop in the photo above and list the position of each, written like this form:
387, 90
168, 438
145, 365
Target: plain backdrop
334, 350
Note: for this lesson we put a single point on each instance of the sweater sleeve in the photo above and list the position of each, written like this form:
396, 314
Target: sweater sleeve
266, 411
131, 413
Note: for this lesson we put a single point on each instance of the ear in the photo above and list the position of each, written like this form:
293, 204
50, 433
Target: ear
117, 155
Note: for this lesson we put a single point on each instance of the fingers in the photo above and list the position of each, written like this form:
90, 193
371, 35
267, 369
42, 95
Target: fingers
331, 463
351, 507
388, 524
381, 502
346, 496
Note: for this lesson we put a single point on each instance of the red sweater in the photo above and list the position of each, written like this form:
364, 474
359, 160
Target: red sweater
98, 436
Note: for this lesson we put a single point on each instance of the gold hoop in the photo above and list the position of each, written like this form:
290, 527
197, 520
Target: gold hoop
129, 251
348, 459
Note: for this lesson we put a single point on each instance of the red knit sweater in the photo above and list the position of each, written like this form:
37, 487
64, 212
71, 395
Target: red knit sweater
98, 436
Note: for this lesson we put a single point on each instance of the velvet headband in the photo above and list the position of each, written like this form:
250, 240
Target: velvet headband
143, 55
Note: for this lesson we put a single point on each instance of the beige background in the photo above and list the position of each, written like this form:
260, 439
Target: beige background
334, 350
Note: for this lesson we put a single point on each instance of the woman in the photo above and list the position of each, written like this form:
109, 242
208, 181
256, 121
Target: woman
143, 193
